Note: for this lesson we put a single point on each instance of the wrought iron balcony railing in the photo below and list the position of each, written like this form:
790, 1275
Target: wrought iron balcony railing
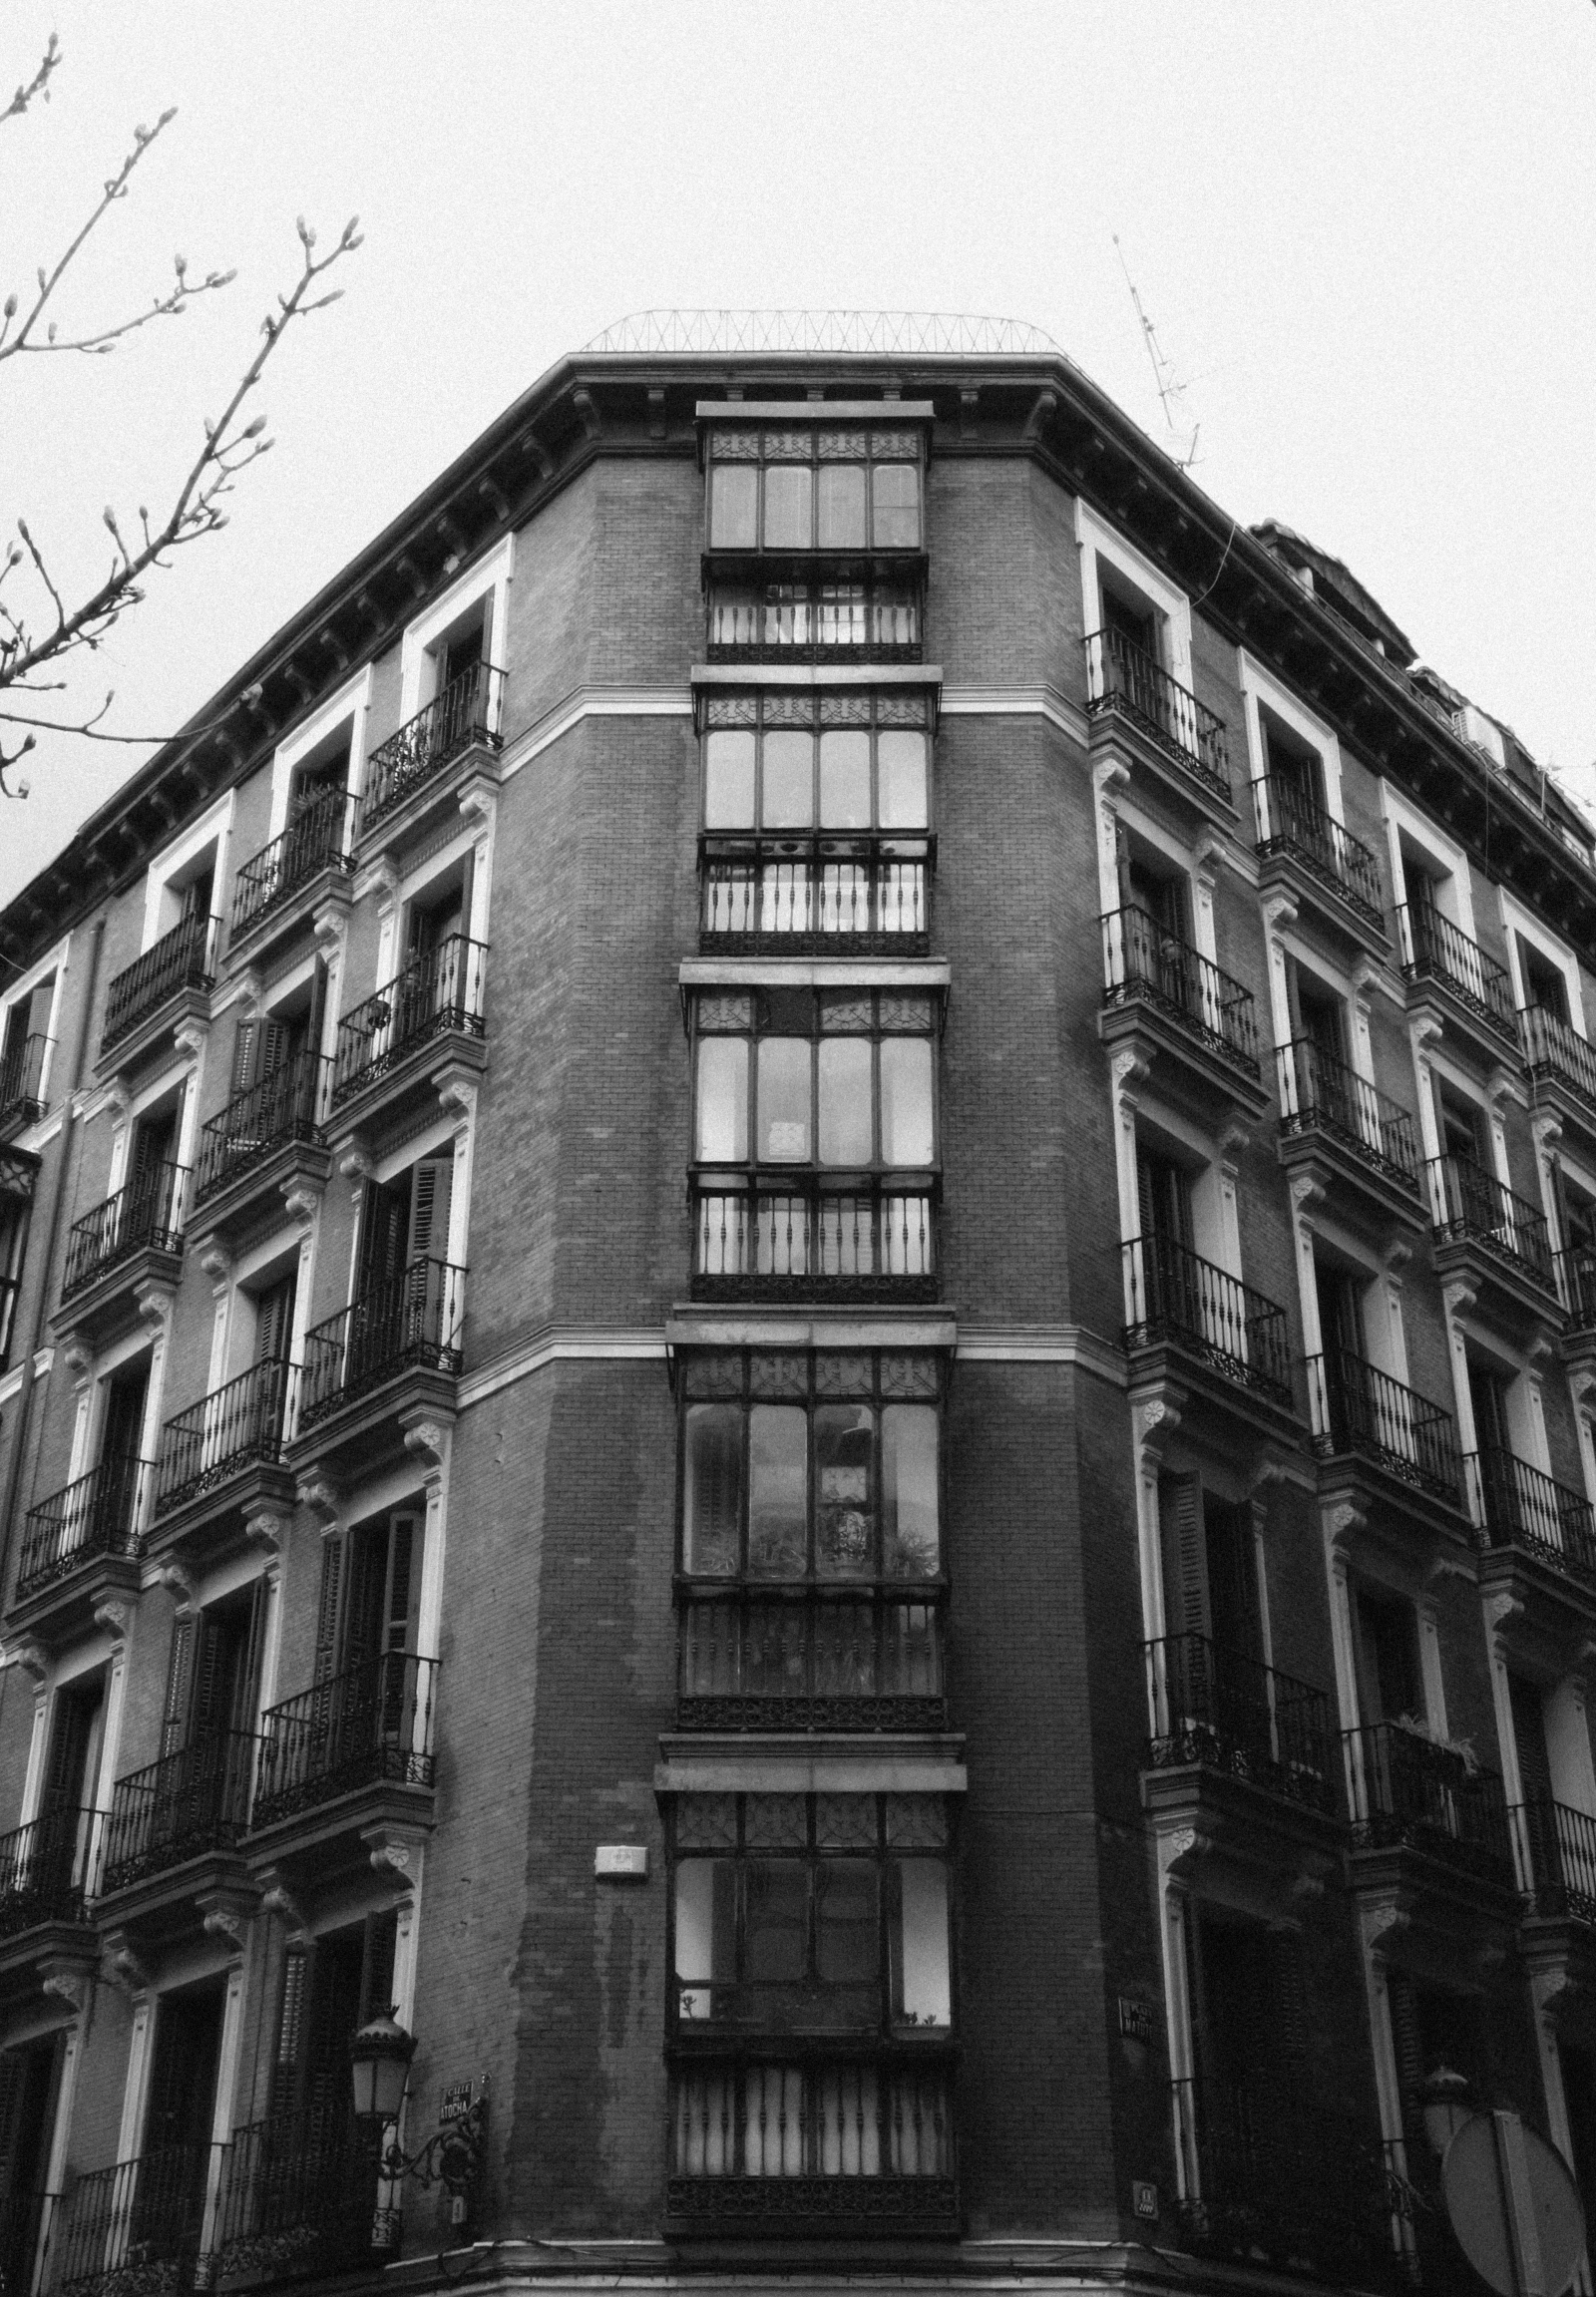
1174, 1297
861, 1661
1407, 1791
45, 1869
1518, 1506
234, 1427
1319, 1093
265, 1117
876, 1240
137, 2226
439, 991
180, 1807
414, 1320
1360, 1410
145, 1216
840, 2142
1433, 949
1557, 1857
1470, 1206
1271, 2177
180, 960
298, 2194
1232, 1713
798, 895
316, 839
819, 622
1145, 964
1576, 1286
22, 1081
466, 713
1123, 681
373, 1721
1555, 1051
1290, 823
101, 1514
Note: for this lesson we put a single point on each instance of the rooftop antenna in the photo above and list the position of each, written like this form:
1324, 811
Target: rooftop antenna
1171, 392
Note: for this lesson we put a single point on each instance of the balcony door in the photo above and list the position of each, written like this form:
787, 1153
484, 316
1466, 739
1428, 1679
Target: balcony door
1214, 1676
29, 2084
121, 1434
1386, 1652
65, 1835
404, 1238
1247, 2043
168, 2199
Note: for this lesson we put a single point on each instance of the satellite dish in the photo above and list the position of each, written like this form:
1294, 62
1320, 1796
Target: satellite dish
1514, 2206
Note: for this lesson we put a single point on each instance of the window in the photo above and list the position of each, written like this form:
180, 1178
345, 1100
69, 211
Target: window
1545, 984
1128, 620
863, 766
30, 2090
812, 1912
809, 490
1460, 1123
797, 619
330, 1988
22, 1053
838, 1078
1389, 1681
1294, 766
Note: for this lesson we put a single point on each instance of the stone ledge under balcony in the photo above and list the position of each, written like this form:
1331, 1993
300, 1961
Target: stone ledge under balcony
1362, 1499
67, 1607
857, 1330
56, 1958
1113, 732
377, 1427
1491, 1043
328, 892
1185, 1070
418, 1074
1558, 1952
317, 1850
1545, 1617
1285, 871
1426, 1914
186, 1007
1487, 1280
1175, 1373
1238, 1841
137, 1285
210, 1895
811, 1762
255, 1196
1367, 1197
253, 1504
753, 2209
479, 761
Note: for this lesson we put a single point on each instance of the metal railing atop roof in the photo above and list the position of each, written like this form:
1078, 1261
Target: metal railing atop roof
885, 334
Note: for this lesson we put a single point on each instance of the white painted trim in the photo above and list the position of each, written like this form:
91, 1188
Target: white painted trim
351, 701
1404, 819
490, 577
53, 962
812, 973
591, 702
1044, 701
1259, 686
1517, 919
1096, 539
436, 1137
215, 827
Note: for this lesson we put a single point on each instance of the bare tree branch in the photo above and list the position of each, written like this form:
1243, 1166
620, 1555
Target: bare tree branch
39, 85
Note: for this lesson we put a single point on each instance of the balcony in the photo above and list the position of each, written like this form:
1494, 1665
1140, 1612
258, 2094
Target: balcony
815, 896
861, 1660
1410, 1793
1386, 1441
266, 1141
819, 622
1357, 1143
79, 1545
813, 1240
356, 1748
1189, 1321
395, 1349
1576, 1286
221, 1460
1471, 993
1496, 1241
132, 1240
390, 1047
414, 774
1164, 728
848, 2149
1310, 855
1520, 1507
22, 1084
136, 2229
24, 2220
289, 879
1562, 1070
194, 1804
44, 1918
298, 2197
170, 983
1182, 1014
1269, 2178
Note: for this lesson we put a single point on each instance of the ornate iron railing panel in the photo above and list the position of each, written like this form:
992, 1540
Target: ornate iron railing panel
282, 1107
1518, 1507
416, 1319
180, 960
145, 1216
1409, 1791
1291, 823
803, 896
1145, 964
438, 990
1469, 1205
316, 839
1557, 1851
298, 2197
1433, 949
1269, 2177
802, 622
187, 1803
100, 1514
1174, 1297
1232, 1713
876, 1241
1553, 1050
1319, 1093
233, 1429
841, 2142
373, 1721
134, 2230
45, 1869
863, 334
20, 1082
1123, 681
1361, 1409
1576, 1286
462, 715
867, 1661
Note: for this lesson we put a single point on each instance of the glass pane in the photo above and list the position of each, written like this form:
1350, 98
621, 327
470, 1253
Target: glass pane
789, 507
848, 1931
845, 1516
895, 492
922, 1994
722, 1133
900, 767
778, 1491
911, 1548
789, 795
712, 1499
906, 1124
705, 1931
845, 779
842, 507
845, 1129
774, 1934
773, 2120
784, 1074
729, 779
733, 506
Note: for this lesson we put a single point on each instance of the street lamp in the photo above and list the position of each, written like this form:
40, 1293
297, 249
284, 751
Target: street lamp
1447, 2103
379, 2070
379, 2063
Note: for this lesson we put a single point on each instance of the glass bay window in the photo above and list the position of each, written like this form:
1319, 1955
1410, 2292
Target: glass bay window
797, 489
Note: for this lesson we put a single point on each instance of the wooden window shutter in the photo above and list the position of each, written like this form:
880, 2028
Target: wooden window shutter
384, 1220
180, 1675
328, 1606
404, 1578
1185, 1555
247, 1685
291, 2031
13, 2086
70, 1730
275, 1322
1289, 1986
431, 1183
376, 1977
243, 1056
1407, 2039
1529, 1736
208, 1670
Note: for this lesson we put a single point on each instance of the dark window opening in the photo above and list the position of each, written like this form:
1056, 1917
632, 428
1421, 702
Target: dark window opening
1390, 1677
1545, 984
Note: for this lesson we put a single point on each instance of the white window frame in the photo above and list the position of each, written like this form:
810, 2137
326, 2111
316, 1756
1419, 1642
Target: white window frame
1406, 821
489, 579
1517, 919
1095, 540
215, 827
351, 701
1258, 685
23, 987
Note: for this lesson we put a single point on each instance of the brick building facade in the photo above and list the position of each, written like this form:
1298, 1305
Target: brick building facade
800, 1292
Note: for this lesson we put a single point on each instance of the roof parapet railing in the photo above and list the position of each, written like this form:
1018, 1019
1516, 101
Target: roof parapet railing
867, 334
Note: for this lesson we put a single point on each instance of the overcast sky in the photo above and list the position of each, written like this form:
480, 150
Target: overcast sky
1362, 229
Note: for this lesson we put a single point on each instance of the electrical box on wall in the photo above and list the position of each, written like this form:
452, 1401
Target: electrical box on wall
621, 1862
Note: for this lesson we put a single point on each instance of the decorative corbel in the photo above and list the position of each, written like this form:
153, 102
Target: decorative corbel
380, 880
328, 924
427, 1440
1126, 1070
227, 1924
122, 1967
280, 1901
1280, 910
71, 1985
301, 1201
1382, 1925
1306, 1193
479, 803
267, 1529
190, 1035
215, 1262
1546, 1126
1044, 407
969, 402
317, 1492
175, 1578
457, 1090
1343, 1524
1459, 1294
395, 1851
357, 1165
588, 413
1502, 1610
113, 1617
78, 1357
1499, 1087
153, 1298
33, 1659
405, 567
1425, 1032
533, 447
1444, 1567
656, 411
1154, 1421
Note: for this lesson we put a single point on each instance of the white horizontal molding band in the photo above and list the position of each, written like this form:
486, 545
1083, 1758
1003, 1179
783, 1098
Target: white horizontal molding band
1044, 701
1044, 1344
814, 972
822, 677
593, 702
558, 1344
